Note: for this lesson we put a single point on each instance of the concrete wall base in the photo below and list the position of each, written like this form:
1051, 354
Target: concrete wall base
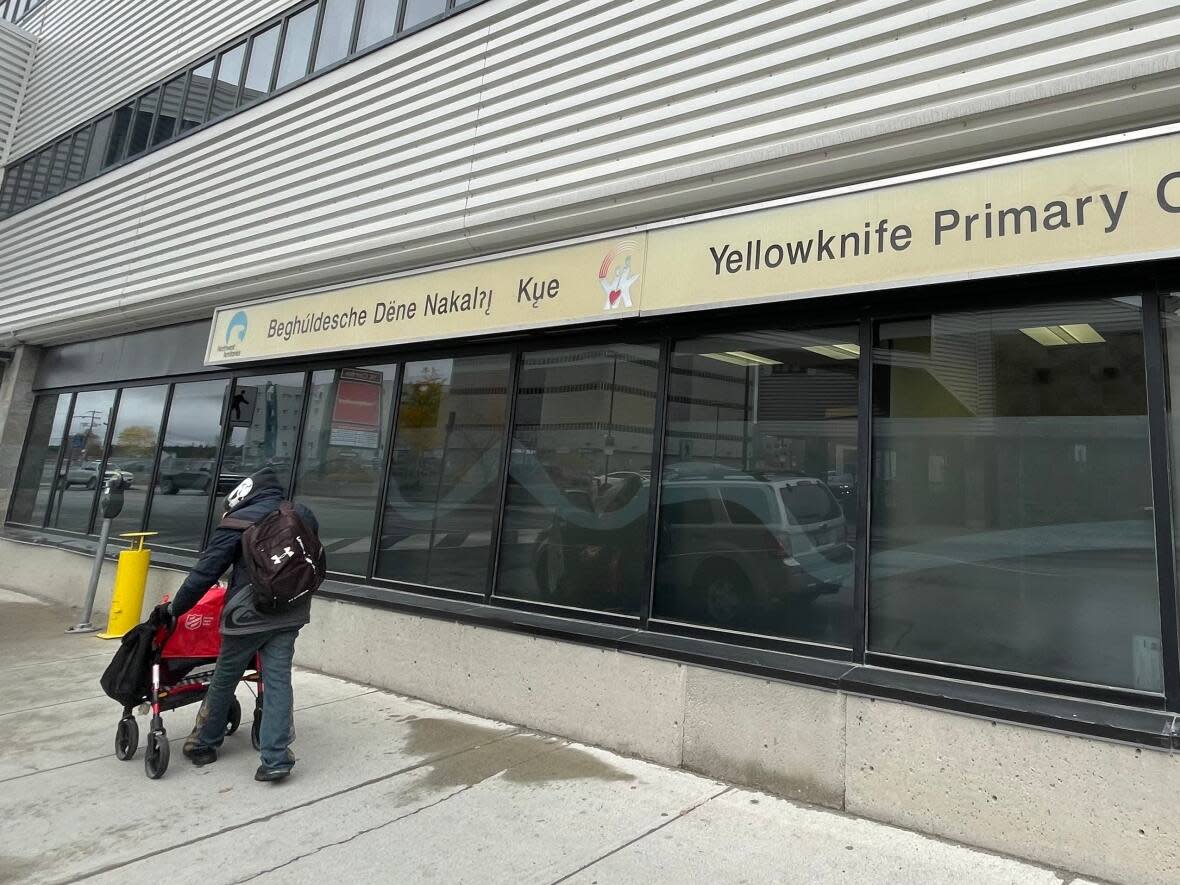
1084, 805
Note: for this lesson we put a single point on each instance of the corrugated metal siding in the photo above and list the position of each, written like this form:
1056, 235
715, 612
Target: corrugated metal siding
16, 50
517, 123
94, 55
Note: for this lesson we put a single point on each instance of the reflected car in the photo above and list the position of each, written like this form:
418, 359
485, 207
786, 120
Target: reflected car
738, 540
86, 475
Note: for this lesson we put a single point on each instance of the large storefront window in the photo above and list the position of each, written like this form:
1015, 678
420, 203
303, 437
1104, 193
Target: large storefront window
264, 416
47, 425
575, 529
758, 514
1011, 521
342, 457
133, 449
188, 459
445, 478
80, 476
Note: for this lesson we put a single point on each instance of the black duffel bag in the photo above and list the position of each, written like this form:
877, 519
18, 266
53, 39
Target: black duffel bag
127, 678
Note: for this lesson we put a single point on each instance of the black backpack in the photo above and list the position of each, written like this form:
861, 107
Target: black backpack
284, 558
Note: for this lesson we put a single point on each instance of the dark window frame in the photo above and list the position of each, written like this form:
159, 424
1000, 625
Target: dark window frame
997, 293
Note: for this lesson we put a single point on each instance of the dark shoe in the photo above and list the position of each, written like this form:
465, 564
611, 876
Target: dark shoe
269, 775
200, 755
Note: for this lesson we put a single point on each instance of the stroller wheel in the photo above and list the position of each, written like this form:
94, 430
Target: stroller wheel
155, 756
126, 738
235, 717
256, 731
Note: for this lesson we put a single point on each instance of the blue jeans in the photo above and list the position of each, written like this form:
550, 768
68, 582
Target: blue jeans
276, 649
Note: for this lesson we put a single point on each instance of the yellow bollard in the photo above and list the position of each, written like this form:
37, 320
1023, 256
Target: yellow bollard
130, 583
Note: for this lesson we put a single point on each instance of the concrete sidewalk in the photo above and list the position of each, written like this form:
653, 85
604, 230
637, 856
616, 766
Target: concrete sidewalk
391, 789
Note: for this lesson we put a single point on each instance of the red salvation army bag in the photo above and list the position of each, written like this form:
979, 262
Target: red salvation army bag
198, 630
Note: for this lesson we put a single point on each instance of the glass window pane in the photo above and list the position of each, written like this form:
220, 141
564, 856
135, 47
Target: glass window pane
98, 146
758, 515
1012, 523
335, 32
169, 110
378, 21
445, 478
418, 11
76, 166
119, 132
187, 461
133, 449
79, 478
23, 182
229, 78
264, 416
196, 105
32, 489
343, 456
297, 46
60, 158
39, 183
141, 129
262, 61
575, 522
8, 190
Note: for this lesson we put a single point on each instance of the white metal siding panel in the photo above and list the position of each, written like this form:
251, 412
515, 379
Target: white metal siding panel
518, 123
93, 55
16, 51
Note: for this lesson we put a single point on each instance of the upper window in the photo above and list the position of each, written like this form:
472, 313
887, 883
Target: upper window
309, 39
296, 57
335, 32
1012, 511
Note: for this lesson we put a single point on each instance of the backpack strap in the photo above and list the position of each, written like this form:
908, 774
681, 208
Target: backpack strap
230, 522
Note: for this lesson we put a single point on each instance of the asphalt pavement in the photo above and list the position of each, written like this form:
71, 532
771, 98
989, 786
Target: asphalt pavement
391, 789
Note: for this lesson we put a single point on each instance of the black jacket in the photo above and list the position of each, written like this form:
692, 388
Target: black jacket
225, 549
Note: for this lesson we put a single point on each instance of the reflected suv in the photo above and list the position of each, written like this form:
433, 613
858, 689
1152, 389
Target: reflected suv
731, 540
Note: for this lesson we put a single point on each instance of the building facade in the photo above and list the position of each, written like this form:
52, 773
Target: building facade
781, 390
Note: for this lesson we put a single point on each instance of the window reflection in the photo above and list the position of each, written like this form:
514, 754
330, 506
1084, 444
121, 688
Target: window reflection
196, 103
758, 514
169, 111
575, 524
80, 474
297, 46
335, 32
35, 483
343, 456
378, 22
263, 48
141, 127
133, 449
98, 146
445, 477
418, 11
188, 458
264, 416
120, 129
1012, 523
229, 79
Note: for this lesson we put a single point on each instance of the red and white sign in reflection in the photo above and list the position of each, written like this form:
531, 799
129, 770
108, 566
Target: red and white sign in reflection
356, 414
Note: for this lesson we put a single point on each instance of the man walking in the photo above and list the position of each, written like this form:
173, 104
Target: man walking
245, 631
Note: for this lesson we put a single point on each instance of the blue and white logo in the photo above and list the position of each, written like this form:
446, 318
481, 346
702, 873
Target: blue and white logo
238, 324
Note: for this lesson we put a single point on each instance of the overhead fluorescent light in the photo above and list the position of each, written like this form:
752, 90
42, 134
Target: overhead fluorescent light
836, 351
741, 358
1056, 336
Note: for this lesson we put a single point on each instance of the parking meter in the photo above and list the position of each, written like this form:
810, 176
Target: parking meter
110, 505
110, 502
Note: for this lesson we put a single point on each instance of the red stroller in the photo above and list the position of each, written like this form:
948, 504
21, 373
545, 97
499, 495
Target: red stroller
182, 666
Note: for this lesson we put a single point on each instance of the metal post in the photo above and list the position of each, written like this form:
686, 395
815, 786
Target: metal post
84, 626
